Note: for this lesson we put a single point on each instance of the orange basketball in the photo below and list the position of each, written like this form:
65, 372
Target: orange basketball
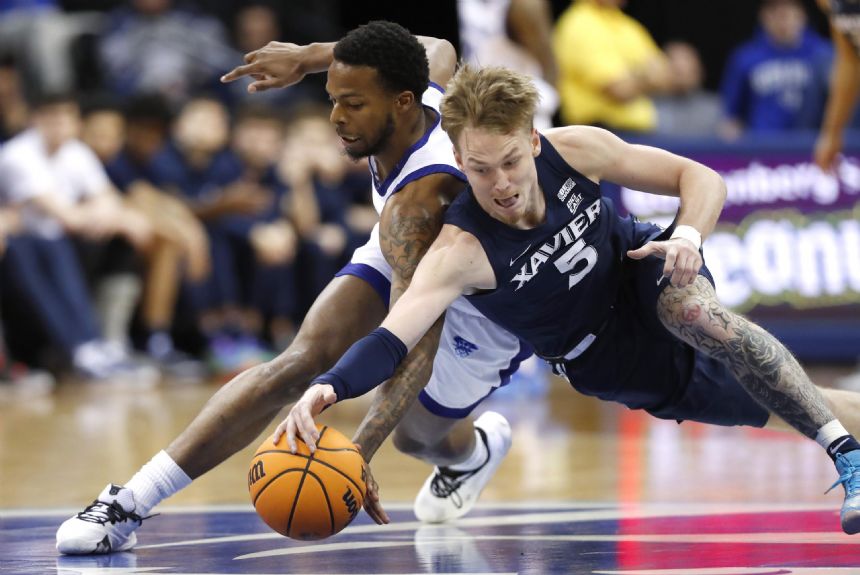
308, 496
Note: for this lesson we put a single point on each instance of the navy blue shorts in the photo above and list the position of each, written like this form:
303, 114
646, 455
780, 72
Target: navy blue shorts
636, 361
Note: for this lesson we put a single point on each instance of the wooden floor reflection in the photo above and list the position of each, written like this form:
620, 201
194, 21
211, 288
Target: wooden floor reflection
59, 451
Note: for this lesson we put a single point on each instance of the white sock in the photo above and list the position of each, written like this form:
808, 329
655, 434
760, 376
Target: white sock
829, 433
157, 480
476, 459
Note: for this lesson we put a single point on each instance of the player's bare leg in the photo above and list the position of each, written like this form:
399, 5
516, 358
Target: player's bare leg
442, 441
346, 310
845, 405
770, 374
466, 454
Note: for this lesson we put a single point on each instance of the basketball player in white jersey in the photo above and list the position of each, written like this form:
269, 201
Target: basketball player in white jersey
375, 76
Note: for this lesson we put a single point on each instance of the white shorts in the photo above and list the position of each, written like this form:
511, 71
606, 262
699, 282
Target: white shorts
475, 355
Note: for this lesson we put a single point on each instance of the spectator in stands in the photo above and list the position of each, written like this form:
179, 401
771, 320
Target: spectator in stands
609, 67
258, 138
516, 34
16, 379
40, 35
179, 247
113, 267
689, 111
13, 105
151, 46
256, 24
198, 167
778, 80
319, 181
64, 192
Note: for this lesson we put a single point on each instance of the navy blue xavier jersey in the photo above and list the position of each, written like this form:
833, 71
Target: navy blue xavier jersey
569, 278
845, 17
557, 282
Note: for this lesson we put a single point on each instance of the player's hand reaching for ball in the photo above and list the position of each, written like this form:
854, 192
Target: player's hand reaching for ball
300, 420
683, 259
275, 65
372, 505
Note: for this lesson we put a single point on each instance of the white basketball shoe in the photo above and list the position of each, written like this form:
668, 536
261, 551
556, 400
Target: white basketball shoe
449, 494
105, 526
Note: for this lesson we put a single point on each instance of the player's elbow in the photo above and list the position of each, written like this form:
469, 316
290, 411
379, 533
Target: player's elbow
442, 57
718, 186
443, 51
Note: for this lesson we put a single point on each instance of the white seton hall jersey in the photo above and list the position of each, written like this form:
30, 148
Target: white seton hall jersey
432, 154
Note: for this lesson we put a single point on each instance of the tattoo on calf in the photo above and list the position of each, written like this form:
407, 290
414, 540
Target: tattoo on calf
761, 363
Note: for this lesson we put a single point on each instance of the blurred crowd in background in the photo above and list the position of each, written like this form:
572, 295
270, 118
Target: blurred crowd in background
156, 222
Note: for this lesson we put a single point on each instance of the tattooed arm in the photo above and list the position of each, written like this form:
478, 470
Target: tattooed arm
764, 367
410, 222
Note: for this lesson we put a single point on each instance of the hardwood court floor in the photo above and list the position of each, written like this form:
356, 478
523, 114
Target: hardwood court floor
573, 459
62, 449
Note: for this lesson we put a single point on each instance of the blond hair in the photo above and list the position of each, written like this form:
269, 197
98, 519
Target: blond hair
495, 99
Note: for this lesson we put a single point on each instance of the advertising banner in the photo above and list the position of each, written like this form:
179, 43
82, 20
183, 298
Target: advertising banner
786, 251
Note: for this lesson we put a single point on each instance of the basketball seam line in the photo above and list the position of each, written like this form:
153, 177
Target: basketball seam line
329, 449
327, 499
320, 461
299, 488
307, 471
266, 486
326, 449
322, 486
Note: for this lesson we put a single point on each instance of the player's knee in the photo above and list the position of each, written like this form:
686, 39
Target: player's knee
691, 309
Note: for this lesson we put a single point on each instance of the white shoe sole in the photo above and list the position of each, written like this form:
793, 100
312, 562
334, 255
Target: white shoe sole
77, 546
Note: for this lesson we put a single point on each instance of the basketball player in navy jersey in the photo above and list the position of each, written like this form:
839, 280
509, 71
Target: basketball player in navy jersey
385, 98
844, 16
626, 311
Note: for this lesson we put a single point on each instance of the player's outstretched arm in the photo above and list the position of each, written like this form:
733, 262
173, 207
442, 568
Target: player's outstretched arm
409, 224
442, 58
438, 281
282, 64
454, 264
601, 155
